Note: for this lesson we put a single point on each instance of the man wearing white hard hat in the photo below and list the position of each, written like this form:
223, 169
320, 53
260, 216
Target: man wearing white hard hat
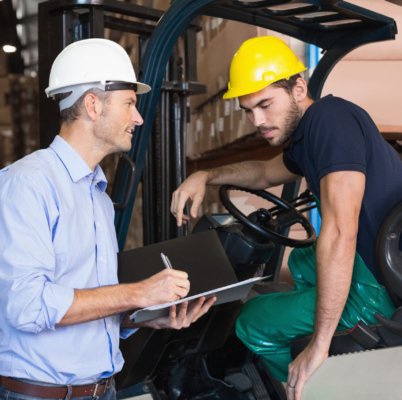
61, 303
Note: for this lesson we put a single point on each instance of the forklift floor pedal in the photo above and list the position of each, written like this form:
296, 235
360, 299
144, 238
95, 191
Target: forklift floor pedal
259, 390
241, 382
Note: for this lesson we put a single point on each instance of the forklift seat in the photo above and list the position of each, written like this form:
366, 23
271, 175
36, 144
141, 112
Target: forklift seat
389, 255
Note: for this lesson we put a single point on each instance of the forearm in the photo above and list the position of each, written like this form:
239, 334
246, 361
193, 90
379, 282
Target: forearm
251, 174
92, 304
335, 257
247, 173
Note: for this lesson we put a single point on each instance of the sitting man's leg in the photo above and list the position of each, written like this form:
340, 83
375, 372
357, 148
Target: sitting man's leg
268, 323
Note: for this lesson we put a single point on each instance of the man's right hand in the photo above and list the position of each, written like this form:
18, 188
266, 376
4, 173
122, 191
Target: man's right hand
193, 188
163, 287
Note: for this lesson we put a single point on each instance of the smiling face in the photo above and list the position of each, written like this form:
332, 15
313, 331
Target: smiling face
275, 112
119, 117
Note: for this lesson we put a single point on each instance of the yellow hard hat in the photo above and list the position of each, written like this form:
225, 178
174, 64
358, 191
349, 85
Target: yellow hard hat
259, 62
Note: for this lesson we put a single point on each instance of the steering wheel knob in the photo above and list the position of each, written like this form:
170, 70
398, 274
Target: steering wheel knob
264, 215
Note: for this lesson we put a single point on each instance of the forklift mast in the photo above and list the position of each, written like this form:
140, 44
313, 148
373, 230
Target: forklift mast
336, 27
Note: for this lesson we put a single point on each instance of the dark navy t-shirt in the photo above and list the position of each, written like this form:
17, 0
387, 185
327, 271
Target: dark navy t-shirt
337, 135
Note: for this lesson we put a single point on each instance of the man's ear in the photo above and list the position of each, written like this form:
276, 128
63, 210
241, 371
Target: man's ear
93, 106
300, 90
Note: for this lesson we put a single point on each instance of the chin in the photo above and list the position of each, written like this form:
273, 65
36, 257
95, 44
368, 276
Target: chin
127, 148
274, 142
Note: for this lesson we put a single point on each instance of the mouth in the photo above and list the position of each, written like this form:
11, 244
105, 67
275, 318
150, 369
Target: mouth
268, 133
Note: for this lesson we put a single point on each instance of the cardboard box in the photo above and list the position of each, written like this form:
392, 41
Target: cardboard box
373, 85
6, 145
160, 4
215, 124
4, 91
3, 63
6, 115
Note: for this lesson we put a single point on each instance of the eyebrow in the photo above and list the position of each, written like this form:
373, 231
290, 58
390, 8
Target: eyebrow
133, 99
255, 105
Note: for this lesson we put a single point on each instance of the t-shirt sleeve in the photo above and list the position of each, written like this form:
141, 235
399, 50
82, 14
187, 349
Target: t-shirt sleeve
336, 140
290, 163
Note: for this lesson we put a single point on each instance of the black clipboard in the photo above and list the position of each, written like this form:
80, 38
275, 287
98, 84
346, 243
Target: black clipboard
201, 255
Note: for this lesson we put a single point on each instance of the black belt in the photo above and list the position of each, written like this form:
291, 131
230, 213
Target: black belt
55, 392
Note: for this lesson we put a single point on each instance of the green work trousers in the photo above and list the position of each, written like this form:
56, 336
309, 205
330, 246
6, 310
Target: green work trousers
268, 323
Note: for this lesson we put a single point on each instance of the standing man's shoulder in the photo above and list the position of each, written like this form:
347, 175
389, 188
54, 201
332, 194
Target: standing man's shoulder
33, 171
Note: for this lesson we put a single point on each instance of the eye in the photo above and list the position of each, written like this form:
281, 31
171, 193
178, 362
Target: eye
264, 106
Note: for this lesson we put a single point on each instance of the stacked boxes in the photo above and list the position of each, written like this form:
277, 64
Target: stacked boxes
215, 123
19, 134
6, 131
29, 112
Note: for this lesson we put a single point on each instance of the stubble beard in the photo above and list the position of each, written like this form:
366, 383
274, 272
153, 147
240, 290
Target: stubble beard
291, 121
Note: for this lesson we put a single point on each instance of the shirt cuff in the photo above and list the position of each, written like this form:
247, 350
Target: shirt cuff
58, 300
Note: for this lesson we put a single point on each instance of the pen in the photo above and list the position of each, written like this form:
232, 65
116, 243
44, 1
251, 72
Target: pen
166, 261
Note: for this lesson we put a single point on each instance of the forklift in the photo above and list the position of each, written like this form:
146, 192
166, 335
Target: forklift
207, 361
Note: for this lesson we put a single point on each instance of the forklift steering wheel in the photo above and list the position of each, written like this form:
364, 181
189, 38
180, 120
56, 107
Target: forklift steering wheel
270, 224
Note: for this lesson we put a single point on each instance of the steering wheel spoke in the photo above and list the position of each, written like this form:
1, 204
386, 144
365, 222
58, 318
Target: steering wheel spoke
270, 224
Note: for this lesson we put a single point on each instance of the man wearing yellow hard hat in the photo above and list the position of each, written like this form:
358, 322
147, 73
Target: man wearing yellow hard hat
354, 173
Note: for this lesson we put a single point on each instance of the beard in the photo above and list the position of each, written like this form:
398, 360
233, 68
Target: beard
290, 123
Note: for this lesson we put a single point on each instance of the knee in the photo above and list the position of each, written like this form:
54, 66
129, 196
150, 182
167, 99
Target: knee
255, 322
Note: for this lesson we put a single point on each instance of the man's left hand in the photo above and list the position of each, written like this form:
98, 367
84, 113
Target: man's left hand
180, 316
301, 369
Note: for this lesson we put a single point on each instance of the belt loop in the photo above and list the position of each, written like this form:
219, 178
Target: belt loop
109, 382
95, 394
69, 392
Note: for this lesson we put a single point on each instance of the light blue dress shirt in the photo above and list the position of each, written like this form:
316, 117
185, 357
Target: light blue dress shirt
56, 234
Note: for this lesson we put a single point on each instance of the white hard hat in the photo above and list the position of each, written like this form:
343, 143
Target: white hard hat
92, 63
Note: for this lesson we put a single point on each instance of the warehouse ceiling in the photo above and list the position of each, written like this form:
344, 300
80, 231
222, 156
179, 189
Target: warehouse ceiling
18, 27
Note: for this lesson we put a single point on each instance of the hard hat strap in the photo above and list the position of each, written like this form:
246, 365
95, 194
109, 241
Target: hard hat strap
77, 91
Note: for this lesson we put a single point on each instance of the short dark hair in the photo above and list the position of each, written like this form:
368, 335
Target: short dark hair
289, 84
72, 113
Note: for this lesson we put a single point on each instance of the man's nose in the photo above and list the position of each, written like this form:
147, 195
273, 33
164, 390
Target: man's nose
259, 118
137, 118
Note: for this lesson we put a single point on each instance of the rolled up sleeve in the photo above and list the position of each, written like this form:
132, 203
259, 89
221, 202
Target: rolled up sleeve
33, 302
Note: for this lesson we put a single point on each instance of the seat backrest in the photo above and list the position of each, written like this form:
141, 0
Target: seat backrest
389, 254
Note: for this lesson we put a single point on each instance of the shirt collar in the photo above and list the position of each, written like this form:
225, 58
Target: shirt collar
75, 165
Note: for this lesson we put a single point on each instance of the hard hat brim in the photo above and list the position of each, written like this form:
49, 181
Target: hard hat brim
142, 88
